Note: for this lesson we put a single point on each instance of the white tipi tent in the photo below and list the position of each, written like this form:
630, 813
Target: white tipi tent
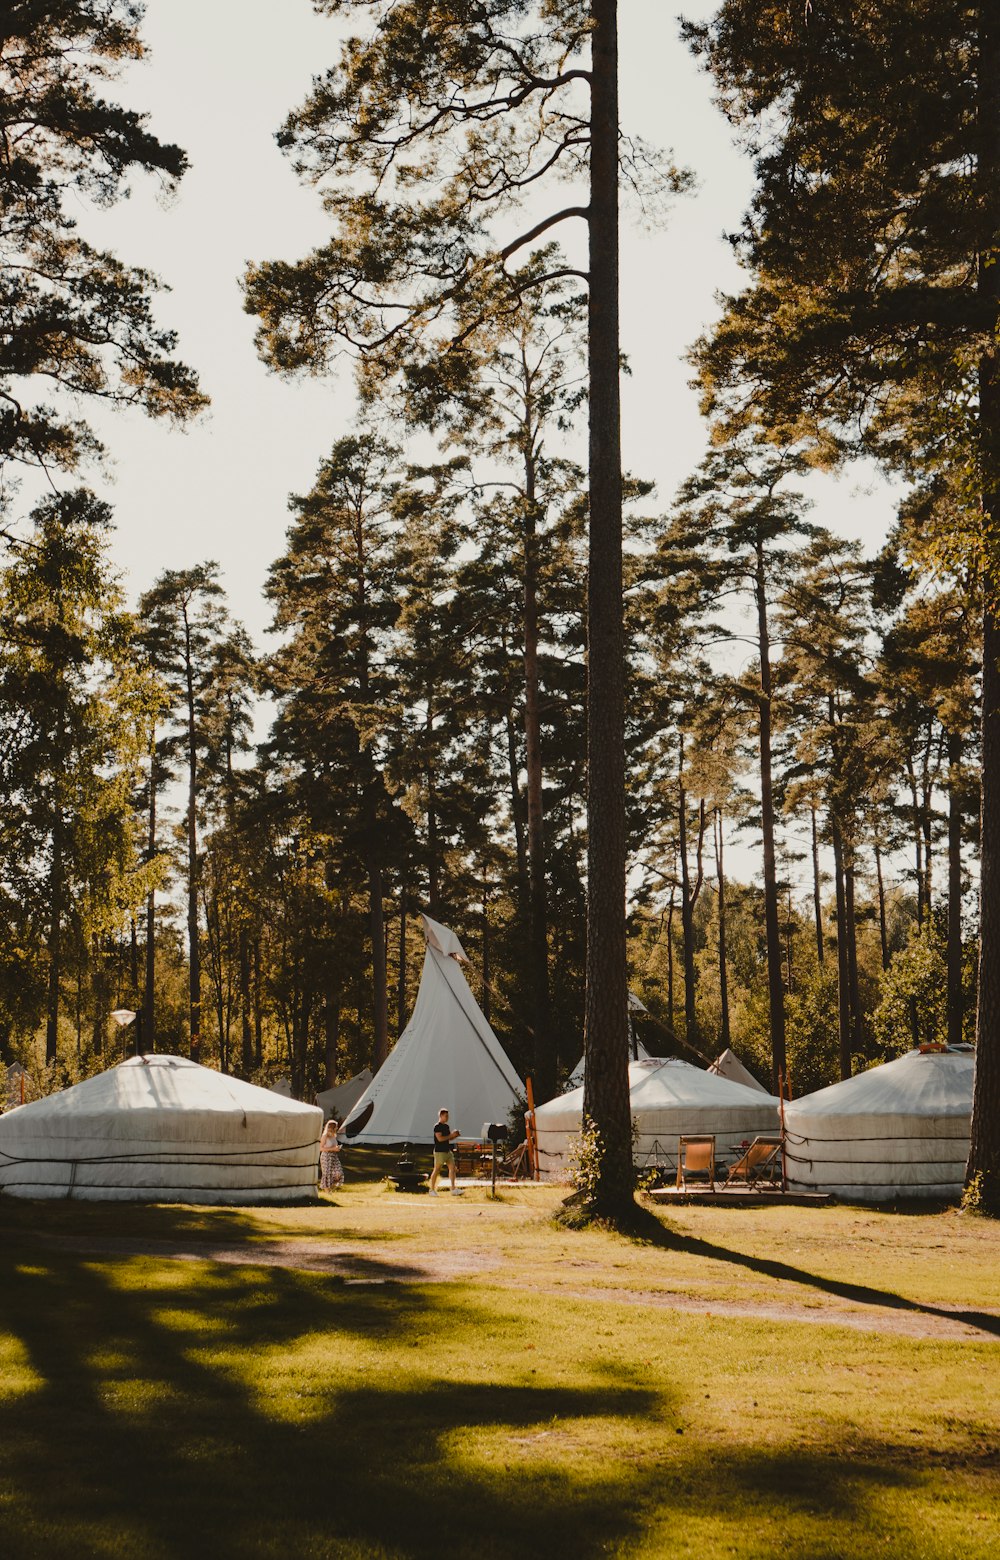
161, 1129
339, 1101
666, 1098
446, 1056
899, 1130
728, 1065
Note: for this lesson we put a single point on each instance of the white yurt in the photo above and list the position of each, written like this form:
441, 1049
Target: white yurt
898, 1130
162, 1129
668, 1099
446, 1056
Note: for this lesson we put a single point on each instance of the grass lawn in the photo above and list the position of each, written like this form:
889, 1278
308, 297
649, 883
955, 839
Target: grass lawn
469, 1379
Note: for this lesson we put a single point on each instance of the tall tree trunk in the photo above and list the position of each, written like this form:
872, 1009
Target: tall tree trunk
670, 962
772, 932
918, 844
606, 1100
56, 886
720, 879
883, 931
543, 1053
955, 1014
246, 1020
817, 893
851, 940
401, 973
984, 1157
843, 968
380, 990
258, 1008
433, 863
487, 971
149, 993
517, 809
687, 913
331, 1027
194, 949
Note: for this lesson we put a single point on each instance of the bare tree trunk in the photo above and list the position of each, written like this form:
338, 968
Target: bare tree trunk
882, 928
258, 1008
720, 879
772, 932
817, 895
687, 912
606, 1100
955, 1014
851, 939
487, 972
843, 969
380, 990
194, 949
246, 1022
517, 809
331, 1036
149, 994
56, 886
670, 959
401, 973
543, 1053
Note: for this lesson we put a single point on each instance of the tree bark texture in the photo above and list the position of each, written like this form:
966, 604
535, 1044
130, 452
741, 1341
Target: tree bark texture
55, 939
817, 893
984, 1156
955, 1013
606, 1101
843, 967
544, 1060
720, 879
772, 932
194, 948
882, 928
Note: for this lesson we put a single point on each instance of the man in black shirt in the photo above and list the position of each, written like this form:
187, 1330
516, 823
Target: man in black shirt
444, 1154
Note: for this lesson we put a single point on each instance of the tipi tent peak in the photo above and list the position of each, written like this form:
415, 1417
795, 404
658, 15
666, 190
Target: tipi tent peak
443, 939
446, 1056
728, 1065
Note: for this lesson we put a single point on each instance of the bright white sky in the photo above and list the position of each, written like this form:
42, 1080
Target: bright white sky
221, 76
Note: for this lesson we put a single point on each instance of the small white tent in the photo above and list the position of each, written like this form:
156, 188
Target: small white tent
898, 1130
666, 1099
339, 1101
161, 1129
446, 1056
728, 1065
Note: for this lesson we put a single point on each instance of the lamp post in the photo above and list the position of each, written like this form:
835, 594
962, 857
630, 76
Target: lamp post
125, 1016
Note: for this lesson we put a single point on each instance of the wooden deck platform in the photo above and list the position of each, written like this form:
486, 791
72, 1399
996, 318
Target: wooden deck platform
738, 1196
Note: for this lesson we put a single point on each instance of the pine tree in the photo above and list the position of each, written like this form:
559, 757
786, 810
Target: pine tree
77, 321
425, 139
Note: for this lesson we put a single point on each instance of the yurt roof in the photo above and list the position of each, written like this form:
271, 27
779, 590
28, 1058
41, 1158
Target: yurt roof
170, 1085
919, 1084
663, 1084
447, 1056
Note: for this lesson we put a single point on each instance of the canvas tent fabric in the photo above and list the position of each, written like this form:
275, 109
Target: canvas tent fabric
340, 1101
667, 1099
162, 1129
446, 1056
728, 1065
898, 1130
575, 1079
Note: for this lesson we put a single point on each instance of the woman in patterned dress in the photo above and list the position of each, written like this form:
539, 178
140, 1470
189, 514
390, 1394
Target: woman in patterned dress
330, 1167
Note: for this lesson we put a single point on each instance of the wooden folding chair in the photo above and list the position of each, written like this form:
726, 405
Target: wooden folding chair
759, 1163
695, 1157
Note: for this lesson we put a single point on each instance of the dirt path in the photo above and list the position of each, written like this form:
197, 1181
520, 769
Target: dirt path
381, 1265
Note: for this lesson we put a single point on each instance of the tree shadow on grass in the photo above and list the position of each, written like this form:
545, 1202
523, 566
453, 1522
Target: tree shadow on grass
153, 1432
648, 1229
